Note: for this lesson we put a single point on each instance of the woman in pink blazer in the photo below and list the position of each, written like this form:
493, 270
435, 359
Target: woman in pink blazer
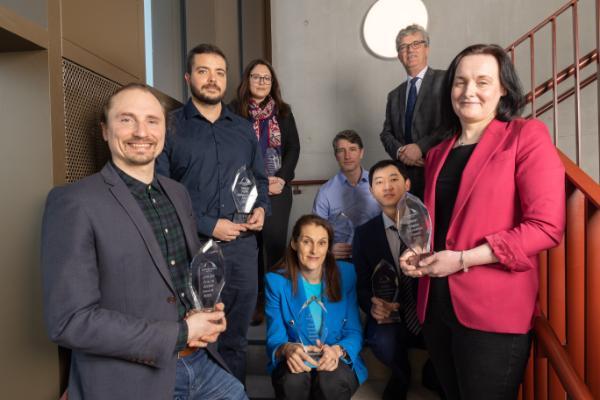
496, 193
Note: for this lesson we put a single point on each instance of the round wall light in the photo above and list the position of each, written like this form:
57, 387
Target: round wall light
385, 18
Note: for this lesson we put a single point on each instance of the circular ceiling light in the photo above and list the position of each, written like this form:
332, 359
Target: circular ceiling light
385, 18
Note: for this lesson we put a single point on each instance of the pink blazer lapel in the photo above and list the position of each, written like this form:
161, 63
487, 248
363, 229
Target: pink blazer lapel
494, 135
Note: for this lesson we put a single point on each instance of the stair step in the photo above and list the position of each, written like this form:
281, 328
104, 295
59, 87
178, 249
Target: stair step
259, 387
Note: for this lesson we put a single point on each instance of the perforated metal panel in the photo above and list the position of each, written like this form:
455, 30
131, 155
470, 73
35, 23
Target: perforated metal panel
85, 94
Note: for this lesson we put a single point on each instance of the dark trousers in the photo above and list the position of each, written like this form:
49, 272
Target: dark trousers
417, 180
239, 297
472, 364
389, 344
272, 240
339, 384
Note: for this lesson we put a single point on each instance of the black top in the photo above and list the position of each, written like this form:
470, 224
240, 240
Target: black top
446, 191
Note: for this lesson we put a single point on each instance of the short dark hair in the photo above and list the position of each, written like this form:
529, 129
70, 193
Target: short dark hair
510, 105
384, 164
203, 48
349, 135
289, 267
130, 86
244, 95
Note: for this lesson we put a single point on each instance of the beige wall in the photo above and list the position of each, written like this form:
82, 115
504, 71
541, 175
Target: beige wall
105, 36
29, 365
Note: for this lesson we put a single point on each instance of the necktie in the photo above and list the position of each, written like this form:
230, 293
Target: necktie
407, 298
410, 108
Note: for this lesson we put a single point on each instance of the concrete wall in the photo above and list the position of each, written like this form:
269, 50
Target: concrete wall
333, 82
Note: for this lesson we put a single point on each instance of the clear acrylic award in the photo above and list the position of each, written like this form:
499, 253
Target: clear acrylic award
245, 193
414, 225
206, 277
385, 284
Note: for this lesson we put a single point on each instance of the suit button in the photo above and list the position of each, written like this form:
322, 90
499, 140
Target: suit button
449, 243
171, 300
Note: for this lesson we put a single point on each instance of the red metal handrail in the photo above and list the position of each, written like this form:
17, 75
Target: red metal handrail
557, 77
566, 358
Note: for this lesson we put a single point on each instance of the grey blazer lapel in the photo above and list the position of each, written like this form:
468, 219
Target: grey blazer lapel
424, 90
125, 198
402, 108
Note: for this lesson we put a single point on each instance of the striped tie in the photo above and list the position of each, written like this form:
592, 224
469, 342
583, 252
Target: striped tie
408, 297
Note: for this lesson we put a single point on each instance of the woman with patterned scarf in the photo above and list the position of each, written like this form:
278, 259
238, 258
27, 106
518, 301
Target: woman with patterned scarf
259, 100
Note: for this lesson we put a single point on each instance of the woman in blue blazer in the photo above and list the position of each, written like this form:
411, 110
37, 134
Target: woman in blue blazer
311, 307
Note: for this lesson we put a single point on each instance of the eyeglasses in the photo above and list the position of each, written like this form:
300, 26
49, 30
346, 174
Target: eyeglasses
260, 79
416, 45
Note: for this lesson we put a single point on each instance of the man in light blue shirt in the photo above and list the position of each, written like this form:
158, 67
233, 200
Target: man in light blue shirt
347, 192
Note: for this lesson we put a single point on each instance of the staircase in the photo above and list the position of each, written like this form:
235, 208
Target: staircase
565, 356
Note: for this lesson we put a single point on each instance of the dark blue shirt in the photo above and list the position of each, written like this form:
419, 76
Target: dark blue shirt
205, 157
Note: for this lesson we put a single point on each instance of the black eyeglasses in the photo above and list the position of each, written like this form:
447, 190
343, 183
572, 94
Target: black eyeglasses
260, 79
417, 44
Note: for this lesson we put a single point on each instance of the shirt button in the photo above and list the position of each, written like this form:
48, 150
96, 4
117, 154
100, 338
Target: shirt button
154, 200
166, 230
172, 263
182, 295
171, 300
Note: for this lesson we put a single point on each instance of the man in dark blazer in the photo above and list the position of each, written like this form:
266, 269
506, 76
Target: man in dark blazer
376, 241
413, 111
115, 250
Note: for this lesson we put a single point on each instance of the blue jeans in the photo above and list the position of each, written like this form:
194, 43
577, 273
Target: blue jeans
198, 377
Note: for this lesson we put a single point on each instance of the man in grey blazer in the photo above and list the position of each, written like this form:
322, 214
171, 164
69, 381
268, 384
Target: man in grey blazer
115, 249
413, 111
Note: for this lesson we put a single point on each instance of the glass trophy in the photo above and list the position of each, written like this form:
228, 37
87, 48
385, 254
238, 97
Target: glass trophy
343, 228
206, 277
385, 284
310, 336
414, 225
244, 193
272, 161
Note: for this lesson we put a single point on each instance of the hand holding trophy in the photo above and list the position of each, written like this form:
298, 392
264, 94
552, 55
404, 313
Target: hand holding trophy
244, 193
414, 226
206, 277
312, 334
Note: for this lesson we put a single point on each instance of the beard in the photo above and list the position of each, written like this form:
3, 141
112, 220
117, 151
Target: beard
202, 98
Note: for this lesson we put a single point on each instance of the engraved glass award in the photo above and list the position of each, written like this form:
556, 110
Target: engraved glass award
272, 161
312, 335
414, 225
244, 193
385, 284
343, 228
206, 276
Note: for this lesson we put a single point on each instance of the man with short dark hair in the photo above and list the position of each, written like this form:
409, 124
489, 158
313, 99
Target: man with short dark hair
348, 191
205, 147
377, 241
413, 110
115, 253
